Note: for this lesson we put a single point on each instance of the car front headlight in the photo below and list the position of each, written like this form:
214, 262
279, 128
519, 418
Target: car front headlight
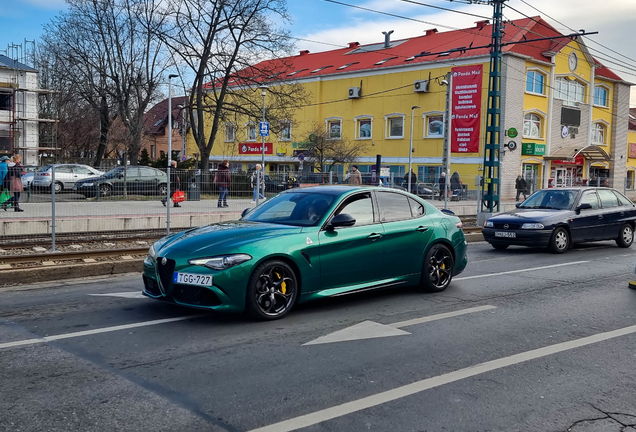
86, 184
221, 262
152, 253
532, 226
489, 224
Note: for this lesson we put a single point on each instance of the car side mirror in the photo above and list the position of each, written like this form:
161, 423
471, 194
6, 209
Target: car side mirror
246, 211
120, 176
341, 220
517, 205
584, 206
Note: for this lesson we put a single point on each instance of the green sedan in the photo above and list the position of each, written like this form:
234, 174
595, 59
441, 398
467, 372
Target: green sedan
305, 244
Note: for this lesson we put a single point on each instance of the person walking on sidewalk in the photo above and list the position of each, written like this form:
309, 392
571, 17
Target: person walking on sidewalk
13, 182
257, 178
223, 181
521, 185
442, 185
4, 169
174, 182
356, 176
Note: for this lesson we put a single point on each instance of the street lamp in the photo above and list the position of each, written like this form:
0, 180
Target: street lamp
169, 150
413, 108
258, 178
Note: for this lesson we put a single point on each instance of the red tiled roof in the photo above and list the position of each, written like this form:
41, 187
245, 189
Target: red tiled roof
156, 118
374, 56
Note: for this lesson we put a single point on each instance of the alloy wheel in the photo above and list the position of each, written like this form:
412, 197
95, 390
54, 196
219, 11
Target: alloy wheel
275, 290
104, 190
438, 268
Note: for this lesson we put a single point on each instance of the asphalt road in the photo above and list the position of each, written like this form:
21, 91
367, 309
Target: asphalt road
538, 342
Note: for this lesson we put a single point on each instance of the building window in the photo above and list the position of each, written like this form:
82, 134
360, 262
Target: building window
229, 133
153, 152
395, 126
250, 131
364, 127
531, 126
569, 90
630, 180
534, 82
5, 102
285, 131
334, 128
598, 133
429, 174
434, 125
600, 96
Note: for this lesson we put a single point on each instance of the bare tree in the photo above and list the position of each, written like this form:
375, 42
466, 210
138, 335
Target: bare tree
325, 151
224, 46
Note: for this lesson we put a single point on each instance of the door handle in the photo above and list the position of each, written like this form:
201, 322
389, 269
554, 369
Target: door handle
374, 236
622, 213
421, 228
600, 216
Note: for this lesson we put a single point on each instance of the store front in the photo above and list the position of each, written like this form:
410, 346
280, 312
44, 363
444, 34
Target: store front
530, 173
567, 167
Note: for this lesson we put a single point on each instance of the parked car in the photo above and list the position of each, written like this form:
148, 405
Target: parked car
66, 175
305, 244
557, 218
424, 190
27, 178
139, 180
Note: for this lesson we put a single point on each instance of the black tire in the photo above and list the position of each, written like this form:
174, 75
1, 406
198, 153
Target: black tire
59, 187
271, 291
437, 271
626, 236
499, 246
560, 241
105, 191
162, 190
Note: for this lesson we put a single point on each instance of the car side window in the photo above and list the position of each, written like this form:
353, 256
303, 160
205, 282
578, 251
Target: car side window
147, 172
81, 170
417, 208
63, 169
360, 207
608, 199
589, 197
393, 207
622, 200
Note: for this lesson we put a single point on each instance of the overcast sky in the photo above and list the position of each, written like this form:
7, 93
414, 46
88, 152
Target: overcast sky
325, 25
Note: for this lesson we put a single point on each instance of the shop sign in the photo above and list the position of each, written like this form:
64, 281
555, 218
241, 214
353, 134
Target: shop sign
281, 150
301, 145
531, 149
255, 148
466, 108
632, 150
575, 161
512, 133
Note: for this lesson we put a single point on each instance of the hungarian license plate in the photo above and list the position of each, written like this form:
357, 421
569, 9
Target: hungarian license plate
192, 279
507, 234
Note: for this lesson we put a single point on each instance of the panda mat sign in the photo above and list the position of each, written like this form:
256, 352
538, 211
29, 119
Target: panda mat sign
466, 108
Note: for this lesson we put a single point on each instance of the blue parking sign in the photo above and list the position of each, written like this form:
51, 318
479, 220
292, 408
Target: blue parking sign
264, 127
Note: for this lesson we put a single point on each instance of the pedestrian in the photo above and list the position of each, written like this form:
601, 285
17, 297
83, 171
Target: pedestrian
356, 176
257, 179
13, 182
175, 182
521, 186
223, 180
4, 168
413, 177
442, 185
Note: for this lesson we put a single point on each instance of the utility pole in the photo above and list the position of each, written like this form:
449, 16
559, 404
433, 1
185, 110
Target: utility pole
446, 157
491, 183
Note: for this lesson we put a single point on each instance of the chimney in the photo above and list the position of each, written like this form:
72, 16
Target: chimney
481, 24
304, 52
431, 32
354, 44
387, 39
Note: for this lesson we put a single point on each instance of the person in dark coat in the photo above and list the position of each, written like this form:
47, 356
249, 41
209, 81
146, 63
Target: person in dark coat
413, 180
174, 182
520, 185
223, 181
442, 185
456, 185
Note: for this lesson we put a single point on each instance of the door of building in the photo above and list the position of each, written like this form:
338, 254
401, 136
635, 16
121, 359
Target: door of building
563, 177
530, 175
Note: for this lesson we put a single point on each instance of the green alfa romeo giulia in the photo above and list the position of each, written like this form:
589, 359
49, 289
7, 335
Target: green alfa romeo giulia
304, 244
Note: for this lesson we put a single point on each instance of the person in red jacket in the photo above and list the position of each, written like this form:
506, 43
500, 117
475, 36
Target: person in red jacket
223, 180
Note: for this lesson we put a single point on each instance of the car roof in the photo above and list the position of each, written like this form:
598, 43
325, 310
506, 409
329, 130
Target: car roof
338, 189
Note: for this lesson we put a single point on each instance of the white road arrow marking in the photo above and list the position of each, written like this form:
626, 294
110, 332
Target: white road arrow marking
131, 295
371, 330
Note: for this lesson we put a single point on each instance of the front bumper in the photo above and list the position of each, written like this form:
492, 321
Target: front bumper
531, 238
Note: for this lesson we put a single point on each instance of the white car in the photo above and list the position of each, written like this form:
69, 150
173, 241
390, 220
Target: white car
65, 176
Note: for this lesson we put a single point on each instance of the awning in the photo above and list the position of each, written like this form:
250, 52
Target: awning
592, 153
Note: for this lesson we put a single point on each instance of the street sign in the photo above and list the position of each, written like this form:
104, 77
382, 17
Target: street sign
301, 157
512, 133
264, 128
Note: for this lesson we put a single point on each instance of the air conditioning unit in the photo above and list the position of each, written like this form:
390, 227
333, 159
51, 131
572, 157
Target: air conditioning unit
420, 86
354, 93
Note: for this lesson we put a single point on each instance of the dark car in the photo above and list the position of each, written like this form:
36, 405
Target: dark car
138, 180
273, 186
424, 190
557, 218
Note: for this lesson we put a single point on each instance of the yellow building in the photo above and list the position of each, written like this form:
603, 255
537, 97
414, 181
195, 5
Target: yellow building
565, 115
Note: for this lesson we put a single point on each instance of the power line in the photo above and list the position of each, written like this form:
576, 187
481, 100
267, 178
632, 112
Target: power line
444, 9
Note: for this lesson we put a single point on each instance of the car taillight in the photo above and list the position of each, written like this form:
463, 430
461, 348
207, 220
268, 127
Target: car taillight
45, 174
459, 225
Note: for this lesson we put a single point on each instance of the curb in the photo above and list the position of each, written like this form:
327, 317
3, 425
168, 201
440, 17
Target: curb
475, 237
45, 274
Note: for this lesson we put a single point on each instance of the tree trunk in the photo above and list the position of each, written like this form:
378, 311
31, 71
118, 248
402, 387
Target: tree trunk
104, 126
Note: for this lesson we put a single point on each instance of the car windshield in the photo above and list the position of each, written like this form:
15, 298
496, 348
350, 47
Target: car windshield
557, 199
114, 172
292, 208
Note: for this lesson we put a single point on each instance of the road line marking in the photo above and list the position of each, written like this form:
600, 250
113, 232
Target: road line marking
96, 331
440, 380
440, 316
520, 271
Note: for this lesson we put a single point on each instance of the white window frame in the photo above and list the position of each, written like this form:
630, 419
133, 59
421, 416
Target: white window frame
387, 122
542, 116
572, 83
596, 126
425, 117
282, 124
357, 121
226, 135
248, 125
607, 93
545, 81
328, 122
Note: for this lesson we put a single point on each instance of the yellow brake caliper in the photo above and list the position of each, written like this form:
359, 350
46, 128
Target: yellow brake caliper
283, 287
